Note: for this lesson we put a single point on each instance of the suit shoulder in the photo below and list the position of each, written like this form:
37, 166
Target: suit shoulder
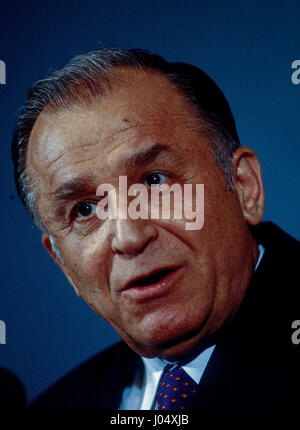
274, 291
282, 252
94, 384
273, 237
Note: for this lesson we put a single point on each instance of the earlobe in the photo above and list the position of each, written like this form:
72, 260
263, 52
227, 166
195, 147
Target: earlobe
49, 247
249, 184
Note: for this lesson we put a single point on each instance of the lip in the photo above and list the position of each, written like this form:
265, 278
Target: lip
156, 289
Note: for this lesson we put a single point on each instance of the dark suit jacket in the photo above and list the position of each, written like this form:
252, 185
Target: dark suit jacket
255, 366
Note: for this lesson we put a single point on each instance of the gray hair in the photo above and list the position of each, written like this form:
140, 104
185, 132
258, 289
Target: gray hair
90, 76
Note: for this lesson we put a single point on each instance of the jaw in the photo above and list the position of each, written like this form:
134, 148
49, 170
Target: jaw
165, 335
163, 342
174, 350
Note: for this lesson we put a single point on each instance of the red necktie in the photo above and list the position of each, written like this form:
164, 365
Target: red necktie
175, 390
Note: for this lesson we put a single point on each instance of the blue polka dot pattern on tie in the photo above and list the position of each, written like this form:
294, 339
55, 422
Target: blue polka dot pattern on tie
175, 390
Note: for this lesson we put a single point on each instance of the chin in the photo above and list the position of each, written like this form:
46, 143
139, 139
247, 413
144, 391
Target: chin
168, 344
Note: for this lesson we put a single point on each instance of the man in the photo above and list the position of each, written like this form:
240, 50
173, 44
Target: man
210, 309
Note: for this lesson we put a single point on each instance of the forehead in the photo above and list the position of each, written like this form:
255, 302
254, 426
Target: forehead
140, 106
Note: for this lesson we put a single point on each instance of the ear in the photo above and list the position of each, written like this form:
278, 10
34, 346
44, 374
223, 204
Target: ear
249, 184
49, 247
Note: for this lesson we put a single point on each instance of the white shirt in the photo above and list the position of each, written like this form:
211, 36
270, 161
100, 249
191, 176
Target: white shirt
141, 394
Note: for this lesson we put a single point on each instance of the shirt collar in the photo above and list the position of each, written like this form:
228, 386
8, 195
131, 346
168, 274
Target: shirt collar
195, 368
261, 251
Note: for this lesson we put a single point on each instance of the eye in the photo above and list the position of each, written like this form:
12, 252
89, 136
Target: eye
84, 210
155, 179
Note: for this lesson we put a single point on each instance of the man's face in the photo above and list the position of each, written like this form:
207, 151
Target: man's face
206, 271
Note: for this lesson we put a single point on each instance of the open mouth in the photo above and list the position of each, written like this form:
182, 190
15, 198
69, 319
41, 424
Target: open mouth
152, 279
159, 283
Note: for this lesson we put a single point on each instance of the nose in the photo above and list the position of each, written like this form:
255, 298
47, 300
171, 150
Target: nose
132, 236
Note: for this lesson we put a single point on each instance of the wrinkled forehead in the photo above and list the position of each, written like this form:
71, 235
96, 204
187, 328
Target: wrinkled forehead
141, 103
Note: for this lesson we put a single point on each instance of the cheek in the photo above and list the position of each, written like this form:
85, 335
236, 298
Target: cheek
87, 266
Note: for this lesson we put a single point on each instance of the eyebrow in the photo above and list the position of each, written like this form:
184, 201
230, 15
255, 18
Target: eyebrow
75, 187
147, 156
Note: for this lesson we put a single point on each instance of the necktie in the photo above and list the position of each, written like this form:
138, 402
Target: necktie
176, 390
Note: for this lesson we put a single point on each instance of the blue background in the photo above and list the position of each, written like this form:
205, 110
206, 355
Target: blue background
246, 47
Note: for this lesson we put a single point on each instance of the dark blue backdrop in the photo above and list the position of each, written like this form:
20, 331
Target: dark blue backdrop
247, 47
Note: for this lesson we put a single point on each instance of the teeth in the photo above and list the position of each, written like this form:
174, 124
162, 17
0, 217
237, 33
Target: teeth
151, 279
